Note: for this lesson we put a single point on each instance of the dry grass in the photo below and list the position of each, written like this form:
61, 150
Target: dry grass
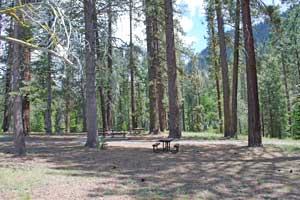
59, 167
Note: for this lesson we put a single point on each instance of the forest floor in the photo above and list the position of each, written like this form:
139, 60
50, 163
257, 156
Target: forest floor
59, 167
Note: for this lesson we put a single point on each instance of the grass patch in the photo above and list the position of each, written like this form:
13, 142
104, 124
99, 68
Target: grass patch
207, 135
154, 193
289, 148
20, 179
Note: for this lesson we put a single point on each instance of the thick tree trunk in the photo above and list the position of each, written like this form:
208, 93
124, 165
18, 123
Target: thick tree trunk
174, 119
26, 79
110, 70
254, 129
18, 52
224, 64
287, 94
235, 69
152, 68
91, 107
132, 73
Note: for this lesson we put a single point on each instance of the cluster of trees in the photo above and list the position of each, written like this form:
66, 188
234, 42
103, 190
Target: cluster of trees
66, 71
276, 33
51, 46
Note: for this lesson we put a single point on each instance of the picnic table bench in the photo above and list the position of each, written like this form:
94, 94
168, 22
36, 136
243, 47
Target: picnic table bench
155, 146
112, 133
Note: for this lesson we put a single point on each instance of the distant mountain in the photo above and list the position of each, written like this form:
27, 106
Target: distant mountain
261, 35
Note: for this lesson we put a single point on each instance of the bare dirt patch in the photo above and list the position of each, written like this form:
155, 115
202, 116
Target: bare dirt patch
59, 167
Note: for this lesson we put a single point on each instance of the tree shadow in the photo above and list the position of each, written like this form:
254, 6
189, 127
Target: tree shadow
206, 171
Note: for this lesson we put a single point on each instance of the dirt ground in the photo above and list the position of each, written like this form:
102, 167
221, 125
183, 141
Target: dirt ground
59, 167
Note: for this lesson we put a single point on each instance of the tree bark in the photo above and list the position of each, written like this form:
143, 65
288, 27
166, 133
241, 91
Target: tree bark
254, 129
67, 112
110, 70
152, 68
103, 112
26, 76
84, 125
100, 87
7, 98
91, 107
174, 119
225, 78
48, 114
132, 73
235, 70
160, 97
183, 117
18, 52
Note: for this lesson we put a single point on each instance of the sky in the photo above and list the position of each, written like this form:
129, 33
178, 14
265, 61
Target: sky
194, 22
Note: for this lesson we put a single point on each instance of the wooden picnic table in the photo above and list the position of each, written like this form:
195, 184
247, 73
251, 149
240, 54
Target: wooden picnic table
137, 130
166, 143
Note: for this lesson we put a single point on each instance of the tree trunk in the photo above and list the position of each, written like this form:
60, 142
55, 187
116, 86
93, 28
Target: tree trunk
103, 112
219, 102
132, 74
235, 69
287, 95
26, 79
262, 122
48, 114
152, 68
174, 120
183, 117
160, 97
225, 78
67, 113
109, 65
18, 52
7, 99
254, 132
217, 69
91, 107
271, 115
84, 125
99, 55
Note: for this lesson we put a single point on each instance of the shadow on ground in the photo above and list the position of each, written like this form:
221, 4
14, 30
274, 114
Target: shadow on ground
206, 171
